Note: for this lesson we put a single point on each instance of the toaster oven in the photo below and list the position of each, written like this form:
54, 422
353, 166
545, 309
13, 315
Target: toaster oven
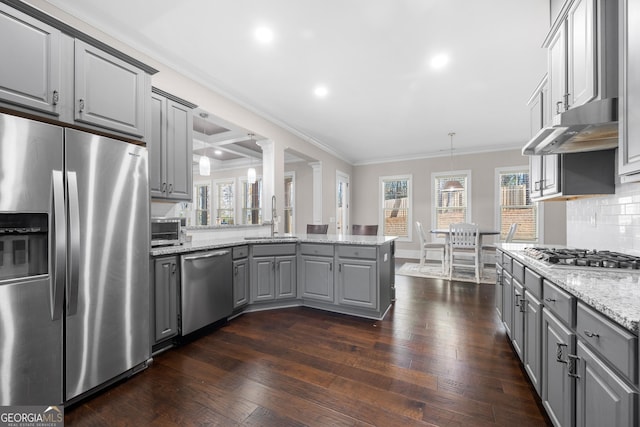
165, 231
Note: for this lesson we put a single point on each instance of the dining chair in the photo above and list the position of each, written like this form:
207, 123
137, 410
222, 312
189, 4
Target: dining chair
364, 230
463, 245
317, 228
426, 246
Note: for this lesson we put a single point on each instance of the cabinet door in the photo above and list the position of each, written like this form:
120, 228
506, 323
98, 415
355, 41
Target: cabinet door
499, 279
557, 63
629, 101
517, 330
157, 146
357, 283
551, 174
240, 283
581, 63
285, 276
532, 339
602, 397
507, 302
535, 176
179, 151
262, 279
166, 298
109, 92
316, 278
558, 388
30, 71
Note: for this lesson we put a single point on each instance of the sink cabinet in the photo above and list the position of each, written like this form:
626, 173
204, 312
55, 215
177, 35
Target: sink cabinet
273, 272
170, 147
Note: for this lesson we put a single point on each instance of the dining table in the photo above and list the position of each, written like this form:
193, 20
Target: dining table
481, 232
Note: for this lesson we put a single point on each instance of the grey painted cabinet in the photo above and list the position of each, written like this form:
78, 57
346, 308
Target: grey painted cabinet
508, 302
316, 278
109, 92
170, 148
532, 351
517, 330
357, 283
285, 277
558, 388
602, 397
240, 282
273, 278
498, 292
31, 56
629, 99
165, 289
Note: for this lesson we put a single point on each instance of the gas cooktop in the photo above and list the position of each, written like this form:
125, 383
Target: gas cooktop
584, 258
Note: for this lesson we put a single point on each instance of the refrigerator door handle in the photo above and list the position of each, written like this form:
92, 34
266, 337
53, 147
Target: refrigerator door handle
57, 244
73, 262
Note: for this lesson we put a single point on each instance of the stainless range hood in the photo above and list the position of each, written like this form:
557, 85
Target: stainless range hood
589, 127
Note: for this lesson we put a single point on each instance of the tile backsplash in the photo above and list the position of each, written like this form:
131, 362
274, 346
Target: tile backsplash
607, 222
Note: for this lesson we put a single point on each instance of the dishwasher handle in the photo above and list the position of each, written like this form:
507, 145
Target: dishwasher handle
207, 255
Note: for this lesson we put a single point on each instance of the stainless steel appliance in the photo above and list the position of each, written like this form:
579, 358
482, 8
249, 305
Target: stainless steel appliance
207, 288
74, 245
583, 258
166, 231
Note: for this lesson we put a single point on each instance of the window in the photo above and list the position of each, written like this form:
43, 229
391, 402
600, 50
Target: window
451, 207
203, 216
225, 201
396, 205
252, 202
515, 204
289, 202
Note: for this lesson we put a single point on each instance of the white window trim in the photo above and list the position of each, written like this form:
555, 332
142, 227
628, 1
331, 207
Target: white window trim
214, 202
496, 216
432, 185
292, 174
409, 179
240, 200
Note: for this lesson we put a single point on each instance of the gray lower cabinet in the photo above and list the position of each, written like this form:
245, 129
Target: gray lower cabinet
170, 147
165, 297
285, 276
558, 389
316, 278
273, 272
240, 282
109, 92
603, 398
498, 291
357, 276
30, 71
517, 330
508, 302
532, 352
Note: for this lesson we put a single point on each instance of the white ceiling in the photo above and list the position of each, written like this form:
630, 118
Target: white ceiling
385, 101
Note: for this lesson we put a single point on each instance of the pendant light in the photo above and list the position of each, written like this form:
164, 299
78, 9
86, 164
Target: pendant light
204, 165
251, 172
454, 184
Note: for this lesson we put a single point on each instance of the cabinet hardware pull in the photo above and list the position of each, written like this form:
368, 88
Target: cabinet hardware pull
170, 188
558, 104
559, 348
550, 299
572, 366
164, 187
591, 334
235, 272
330, 266
566, 101
273, 265
81, 105
536, 186
523, 305
517, 302
56, 97
340, 268
499, 279
173, 268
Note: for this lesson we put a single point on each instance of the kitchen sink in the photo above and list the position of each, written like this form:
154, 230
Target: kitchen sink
271, 238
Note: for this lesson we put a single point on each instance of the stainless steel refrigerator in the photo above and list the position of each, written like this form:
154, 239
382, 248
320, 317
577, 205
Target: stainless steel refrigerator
74, 254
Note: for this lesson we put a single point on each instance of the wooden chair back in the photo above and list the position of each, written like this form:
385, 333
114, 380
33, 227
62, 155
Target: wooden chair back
364, 230
317, 228
463, 235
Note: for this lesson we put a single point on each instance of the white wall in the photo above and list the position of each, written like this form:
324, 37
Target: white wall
608, 222
365, 192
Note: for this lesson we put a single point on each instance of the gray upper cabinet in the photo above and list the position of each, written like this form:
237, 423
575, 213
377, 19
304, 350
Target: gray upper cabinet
30, 71
629, 99
109, 92
170, 147
581, 53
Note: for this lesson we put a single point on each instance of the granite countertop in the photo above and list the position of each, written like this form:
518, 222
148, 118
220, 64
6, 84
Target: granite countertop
218, 243
613, 293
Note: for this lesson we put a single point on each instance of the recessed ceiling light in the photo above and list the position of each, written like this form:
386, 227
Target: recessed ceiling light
264, 35
321, 91
439, 61
217, 153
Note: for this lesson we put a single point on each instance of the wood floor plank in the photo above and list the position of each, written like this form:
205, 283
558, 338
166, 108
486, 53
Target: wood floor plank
439, 358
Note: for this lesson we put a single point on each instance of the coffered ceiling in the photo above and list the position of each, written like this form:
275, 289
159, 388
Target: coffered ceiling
377, 60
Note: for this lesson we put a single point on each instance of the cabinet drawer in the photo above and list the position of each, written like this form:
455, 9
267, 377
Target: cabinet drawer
517, 270
315, 249
615, 343
366, 252
240, 252
507, 263
533, 282
274, 249
561, 303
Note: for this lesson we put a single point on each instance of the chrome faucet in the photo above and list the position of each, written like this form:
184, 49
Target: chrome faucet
274, 215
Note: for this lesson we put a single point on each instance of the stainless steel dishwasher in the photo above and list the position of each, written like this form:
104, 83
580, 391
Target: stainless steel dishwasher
207, 288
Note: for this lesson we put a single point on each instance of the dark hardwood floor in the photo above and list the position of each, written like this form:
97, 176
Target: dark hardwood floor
440, 358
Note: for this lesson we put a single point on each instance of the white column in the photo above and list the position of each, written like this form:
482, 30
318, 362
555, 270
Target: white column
272, 178
317, 192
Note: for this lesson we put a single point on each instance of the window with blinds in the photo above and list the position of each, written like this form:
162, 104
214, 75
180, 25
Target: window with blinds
202, 204
225, 202
252, 202
396, 200
516, 206
451, 207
